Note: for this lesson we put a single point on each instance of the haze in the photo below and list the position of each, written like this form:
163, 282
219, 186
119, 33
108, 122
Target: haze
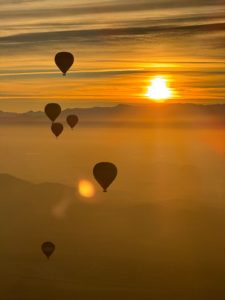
157, 233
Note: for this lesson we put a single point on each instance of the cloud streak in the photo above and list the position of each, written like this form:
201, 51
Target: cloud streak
111, 32
103, 7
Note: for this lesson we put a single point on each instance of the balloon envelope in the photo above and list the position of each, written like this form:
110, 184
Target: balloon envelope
52, 110
48, 248
105, 173
72, 120
57, 128
64, 61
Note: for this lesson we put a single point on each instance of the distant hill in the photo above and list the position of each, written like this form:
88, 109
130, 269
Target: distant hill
17, 195
120, 251
130, 115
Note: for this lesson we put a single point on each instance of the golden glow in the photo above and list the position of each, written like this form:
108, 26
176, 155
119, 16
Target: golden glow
158, 90
86, 189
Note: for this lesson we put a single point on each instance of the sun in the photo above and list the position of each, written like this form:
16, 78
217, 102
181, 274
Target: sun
158, 90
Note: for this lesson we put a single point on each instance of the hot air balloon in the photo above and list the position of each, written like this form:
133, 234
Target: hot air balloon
72, 120
64, 60
48, 248
52, 111
105, 173
57, 128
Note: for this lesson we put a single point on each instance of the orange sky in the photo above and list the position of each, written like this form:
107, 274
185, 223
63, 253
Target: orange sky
118, 46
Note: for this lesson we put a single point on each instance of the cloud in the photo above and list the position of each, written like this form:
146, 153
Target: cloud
111, 32
89, 74
51, 9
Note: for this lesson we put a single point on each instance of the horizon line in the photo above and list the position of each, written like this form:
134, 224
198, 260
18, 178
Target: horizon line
152, 103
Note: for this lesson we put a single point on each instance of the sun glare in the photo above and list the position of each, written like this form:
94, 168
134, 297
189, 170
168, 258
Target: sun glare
86, 189
158, 90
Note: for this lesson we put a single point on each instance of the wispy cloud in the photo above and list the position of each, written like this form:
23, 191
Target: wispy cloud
96, 33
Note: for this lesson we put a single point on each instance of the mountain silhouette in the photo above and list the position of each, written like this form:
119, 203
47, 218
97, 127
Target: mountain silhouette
148, 115
106, 250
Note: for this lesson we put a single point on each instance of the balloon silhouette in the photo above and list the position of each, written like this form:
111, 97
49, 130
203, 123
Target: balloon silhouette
48, 248
64, 60
57, 128
72, 120
105, 173
52, 111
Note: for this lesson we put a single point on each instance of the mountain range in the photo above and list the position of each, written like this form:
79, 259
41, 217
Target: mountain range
105, 250
129, 115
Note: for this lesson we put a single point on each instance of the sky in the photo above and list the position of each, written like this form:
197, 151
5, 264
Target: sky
119, 46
